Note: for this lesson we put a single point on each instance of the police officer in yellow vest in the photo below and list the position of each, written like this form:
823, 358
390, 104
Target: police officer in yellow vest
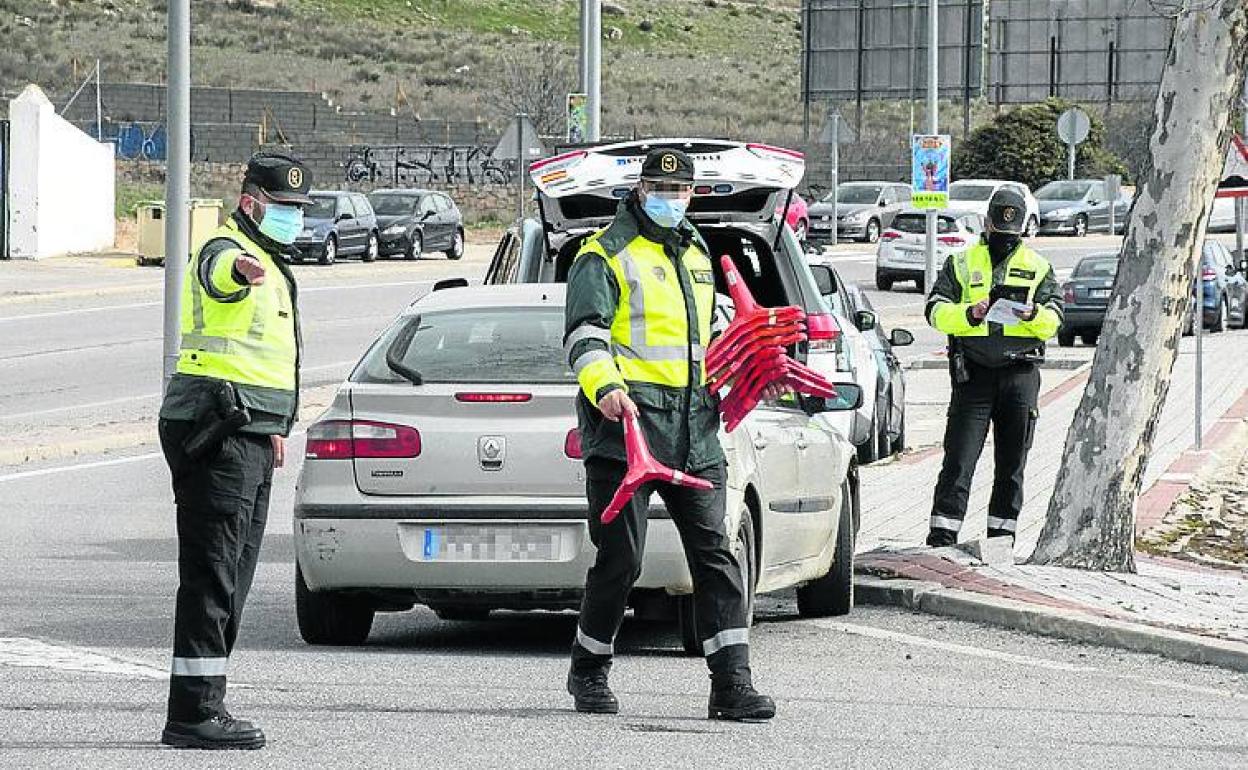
639, 302
994, 366
234, 397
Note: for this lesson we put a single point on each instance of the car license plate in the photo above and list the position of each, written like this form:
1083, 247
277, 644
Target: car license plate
910, 255
496, 543
1098, 293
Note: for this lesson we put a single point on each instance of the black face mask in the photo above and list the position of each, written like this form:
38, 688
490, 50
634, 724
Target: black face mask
1002, 245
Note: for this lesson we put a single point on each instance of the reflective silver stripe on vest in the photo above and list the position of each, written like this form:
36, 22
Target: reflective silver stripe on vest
725, 638
205, 343
197, 306
199, 666
588, 358
592, 644
659, 352
944, 522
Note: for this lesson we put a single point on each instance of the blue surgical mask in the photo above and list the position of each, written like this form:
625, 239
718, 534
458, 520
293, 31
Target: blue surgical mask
665, 211
282, 223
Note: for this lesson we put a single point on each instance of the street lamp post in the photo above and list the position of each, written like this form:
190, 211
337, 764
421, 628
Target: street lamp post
933, 60
177, 178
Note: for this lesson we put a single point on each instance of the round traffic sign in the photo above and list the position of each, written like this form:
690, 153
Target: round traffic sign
1073, 126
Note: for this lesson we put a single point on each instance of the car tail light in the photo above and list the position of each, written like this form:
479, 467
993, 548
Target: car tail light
951, 240
570, 158
822, 331
349, 439
1208, 274
572, 445
1068, 293
493, 398
889, 235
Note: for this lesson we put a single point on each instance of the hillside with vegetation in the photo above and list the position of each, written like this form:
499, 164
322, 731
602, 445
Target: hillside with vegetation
679, 66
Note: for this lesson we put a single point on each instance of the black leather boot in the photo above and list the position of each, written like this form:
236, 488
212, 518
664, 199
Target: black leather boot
219, 732
740, 703
592, 694
941, 537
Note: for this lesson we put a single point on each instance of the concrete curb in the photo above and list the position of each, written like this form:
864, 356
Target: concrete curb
936, 599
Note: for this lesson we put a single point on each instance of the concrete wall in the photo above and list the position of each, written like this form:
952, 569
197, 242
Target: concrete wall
62, 183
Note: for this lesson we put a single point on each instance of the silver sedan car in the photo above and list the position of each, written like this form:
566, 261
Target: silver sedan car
447, 472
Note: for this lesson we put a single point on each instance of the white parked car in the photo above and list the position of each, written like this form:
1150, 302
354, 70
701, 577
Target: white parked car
974, 194
902, 253
447, 472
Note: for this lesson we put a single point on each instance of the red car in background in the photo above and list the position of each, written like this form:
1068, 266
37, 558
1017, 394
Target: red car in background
798, 218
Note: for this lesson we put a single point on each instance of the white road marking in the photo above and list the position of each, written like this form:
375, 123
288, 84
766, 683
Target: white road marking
960, 649
79, 467
849, 258
33, 653
137, 305
126, 399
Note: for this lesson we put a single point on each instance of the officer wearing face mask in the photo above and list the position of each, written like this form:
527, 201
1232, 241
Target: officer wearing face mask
994, 366
640, 297
225, 412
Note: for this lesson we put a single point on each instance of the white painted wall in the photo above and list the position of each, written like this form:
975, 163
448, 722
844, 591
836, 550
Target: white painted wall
61, 183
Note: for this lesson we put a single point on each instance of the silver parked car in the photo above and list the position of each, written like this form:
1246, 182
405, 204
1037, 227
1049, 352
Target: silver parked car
862, 211
447, 472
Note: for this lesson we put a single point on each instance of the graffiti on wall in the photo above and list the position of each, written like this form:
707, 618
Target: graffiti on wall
134, 141
401, 165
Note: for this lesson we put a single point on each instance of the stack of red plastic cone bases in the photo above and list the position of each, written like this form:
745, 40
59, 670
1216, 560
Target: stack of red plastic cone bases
642, 469
750, 355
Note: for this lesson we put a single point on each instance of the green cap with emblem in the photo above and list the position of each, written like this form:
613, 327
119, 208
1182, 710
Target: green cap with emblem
283, 178
667, 165
1007, 212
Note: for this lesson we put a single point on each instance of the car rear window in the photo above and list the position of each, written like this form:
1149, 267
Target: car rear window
394, 205
1099, 267
322, 207
491, 345
970, 192
917, 223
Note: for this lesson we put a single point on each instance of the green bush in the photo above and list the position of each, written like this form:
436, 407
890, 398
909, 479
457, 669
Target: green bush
1023, 145
129, 194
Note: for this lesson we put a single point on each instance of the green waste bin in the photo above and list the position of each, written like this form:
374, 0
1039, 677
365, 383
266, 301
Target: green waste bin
205, 217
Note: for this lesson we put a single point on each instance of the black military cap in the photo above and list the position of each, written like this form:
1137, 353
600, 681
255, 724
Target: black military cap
1007, 212
663, 165
281, 177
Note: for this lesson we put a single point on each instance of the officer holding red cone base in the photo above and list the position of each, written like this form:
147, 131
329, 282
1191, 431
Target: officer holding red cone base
639, 303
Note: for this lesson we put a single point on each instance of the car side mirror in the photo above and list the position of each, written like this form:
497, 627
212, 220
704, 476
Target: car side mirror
1093, 202
848, 398
825, 280
425, 215
344, 217
864, 320
1243, 266
1231, 270
900, 338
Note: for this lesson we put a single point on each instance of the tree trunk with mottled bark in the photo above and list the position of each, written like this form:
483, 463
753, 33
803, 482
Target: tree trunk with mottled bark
1091, 518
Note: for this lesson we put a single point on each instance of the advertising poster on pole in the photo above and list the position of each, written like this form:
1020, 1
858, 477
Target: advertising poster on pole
930, 171
578, 118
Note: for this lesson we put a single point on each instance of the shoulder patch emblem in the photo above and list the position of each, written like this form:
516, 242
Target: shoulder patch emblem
977, 278
659, 272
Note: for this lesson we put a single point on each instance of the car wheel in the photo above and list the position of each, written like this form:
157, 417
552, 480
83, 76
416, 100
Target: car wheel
1219, 322
370, 253
883, 447
833, 594
1081, 226
801, 231
1090, 338
872, 233
330, 617
461, 613
331, 251
747, 556
416, 247
1066, 338
883, 282
867, 450
899, 444
457, 246
1033, 227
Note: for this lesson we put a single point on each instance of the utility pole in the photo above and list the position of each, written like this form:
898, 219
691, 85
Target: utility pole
177, 177
591, 10
933, 128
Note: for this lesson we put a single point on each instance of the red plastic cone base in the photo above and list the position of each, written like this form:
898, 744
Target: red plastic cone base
642, 469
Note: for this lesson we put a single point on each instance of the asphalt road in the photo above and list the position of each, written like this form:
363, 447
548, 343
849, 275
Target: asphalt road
87, 574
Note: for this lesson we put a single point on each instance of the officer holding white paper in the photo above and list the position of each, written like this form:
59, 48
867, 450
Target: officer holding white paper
998, 301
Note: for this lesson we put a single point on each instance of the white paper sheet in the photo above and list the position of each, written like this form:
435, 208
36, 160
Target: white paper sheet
1002, 312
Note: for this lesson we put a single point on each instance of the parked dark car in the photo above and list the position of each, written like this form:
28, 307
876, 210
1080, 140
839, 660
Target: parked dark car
1075, 206
862, 210
1224, 286
1086, 297
413, 222
850, 301
337, 224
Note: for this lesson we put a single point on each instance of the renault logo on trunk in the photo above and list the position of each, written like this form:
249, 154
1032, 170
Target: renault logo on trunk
491, 452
